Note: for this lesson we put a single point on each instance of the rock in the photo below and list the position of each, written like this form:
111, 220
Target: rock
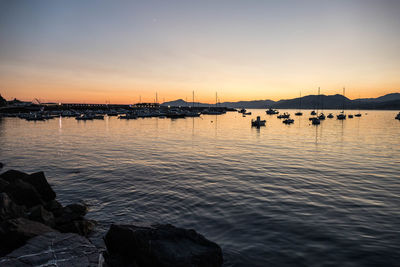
71, 213
82, 227
159, 245
8, 209
1, 165
15, 232
23, 193
71, 220
54, 249
40, 214
55, 207
38, 180
13, 175
79, 209
3, 185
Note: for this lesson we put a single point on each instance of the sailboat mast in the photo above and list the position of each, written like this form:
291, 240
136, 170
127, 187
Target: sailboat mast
193, 99
318, 100
300, 102
343, 99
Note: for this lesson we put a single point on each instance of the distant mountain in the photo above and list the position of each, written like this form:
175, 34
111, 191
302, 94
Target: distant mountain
388, 97
249, 104
183, 103
389, 101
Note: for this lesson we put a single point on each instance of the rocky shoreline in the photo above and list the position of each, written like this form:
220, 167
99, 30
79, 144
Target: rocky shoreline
36, 230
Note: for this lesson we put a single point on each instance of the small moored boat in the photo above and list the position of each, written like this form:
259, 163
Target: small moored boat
258, 122
284, 116
288, 121
271, 111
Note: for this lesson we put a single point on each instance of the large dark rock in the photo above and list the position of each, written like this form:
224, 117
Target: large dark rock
15, 232
1, 165
55, 207
40, 214
23, 193
54, 249
159, 245
13, 175
39, 181
8, 209
3, 185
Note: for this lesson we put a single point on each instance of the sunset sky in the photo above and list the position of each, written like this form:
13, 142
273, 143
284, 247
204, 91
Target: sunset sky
98, 51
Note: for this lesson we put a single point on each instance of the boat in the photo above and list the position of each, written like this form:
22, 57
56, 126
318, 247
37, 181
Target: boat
330, 116
247, 113
284, 116
299, 113
192, 114
342, 116
315, 121
313, 113
258, 122
398, 116
98, 117
128, 116
175, 114
212, 112
243, 110
321, 116
358, 114
271, 111
288, 121
84, 117
350, 116
34, 117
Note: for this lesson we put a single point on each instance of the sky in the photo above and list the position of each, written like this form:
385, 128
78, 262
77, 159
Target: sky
86, 51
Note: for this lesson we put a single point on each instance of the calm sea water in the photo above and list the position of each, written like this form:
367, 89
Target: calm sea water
276, 196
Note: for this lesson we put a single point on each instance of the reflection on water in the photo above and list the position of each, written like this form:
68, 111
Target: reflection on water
278, 195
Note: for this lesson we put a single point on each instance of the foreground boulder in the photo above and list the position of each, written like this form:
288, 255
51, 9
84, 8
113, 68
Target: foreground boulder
15, 232
40, 214
8, 209
23, 193
54, 249
160, 245
36, 182
39, 181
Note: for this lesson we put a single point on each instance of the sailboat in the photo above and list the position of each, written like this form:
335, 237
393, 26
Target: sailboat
321, 116
299, 113
358, 114
316, 120
342, 116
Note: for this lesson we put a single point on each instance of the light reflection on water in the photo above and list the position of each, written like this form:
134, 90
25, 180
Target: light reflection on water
279, 195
